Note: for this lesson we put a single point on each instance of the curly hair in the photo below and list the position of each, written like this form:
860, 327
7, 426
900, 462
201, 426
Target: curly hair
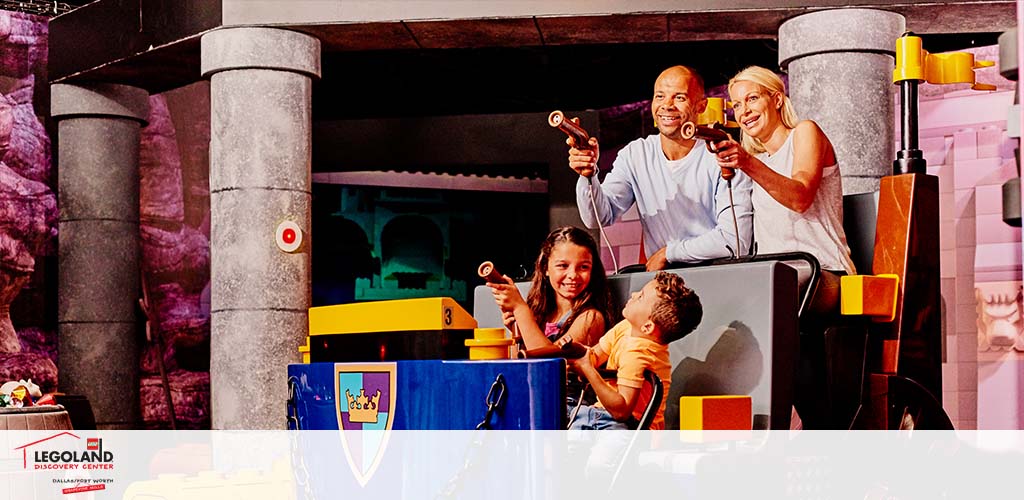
678, 310
541, 298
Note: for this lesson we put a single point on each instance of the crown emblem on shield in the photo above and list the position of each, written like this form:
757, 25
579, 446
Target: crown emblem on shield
361, 408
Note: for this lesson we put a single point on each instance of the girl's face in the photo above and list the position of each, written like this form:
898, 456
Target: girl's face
756, 109
569, 267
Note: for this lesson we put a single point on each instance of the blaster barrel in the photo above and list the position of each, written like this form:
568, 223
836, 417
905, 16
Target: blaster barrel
693, 131
712, 135
580, 136
489, 273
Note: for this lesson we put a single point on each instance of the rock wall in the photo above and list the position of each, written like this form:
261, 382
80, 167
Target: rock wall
28, 206
176, 271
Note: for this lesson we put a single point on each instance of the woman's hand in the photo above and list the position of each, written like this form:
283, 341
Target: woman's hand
506, 295
730, 154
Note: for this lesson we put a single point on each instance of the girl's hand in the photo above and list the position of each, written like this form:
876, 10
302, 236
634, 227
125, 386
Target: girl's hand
506, 295
508, 318
730, 154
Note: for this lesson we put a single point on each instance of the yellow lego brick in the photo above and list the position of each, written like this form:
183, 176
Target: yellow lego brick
715, 413
866, 295
435, 313
304, 351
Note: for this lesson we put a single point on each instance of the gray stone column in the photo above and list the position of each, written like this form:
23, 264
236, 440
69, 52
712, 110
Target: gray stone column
840, 66
260, 154
98, 255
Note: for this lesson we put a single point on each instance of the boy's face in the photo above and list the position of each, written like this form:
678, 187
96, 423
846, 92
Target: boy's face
638, 309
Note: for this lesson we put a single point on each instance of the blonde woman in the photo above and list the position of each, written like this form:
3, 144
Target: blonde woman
798, 206
798, 191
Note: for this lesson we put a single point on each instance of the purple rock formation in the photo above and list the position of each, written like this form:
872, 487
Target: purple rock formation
190, 393
160, 170
28, 217
175, 266
25, 365
28, 207
22, 43
36, 340
28, 153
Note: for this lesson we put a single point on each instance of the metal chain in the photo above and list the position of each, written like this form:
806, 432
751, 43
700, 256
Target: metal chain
495, 397
493, 401
300, 473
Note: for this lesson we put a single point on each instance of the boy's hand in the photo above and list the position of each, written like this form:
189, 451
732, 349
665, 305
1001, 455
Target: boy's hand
582, 363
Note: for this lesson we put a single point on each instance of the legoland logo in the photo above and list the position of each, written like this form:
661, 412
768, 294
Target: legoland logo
47, 454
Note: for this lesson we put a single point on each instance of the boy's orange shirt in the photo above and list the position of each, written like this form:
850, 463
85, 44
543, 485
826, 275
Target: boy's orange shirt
629, 356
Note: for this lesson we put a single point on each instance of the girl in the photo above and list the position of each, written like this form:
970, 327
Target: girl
568, 295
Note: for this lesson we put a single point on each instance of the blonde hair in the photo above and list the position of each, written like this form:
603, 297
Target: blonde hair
772, 83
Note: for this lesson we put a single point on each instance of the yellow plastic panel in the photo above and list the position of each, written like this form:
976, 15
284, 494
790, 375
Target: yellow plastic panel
435, 313
714, 113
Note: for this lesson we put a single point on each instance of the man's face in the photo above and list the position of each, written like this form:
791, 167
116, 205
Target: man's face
677, 99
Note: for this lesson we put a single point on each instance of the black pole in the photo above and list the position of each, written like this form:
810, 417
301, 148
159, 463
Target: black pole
909, 159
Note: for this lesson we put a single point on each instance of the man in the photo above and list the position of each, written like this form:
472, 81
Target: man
676, 183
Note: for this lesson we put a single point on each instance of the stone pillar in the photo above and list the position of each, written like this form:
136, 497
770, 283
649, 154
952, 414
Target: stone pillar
98, 255
840, 65
260, 176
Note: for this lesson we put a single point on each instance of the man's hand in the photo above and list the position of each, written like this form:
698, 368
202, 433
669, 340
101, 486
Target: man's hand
583, 161
657, 261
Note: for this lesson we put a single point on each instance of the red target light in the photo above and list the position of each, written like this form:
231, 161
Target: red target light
289, 236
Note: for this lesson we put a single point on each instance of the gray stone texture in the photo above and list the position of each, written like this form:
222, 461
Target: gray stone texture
249, 358
99, 361
840, 65
250, 271
98, 254
98, 273
260, 48
260, 154
102, 182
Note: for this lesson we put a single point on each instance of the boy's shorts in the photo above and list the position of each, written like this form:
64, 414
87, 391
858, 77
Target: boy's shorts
590, 418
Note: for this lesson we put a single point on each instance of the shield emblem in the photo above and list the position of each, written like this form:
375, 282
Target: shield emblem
364, 394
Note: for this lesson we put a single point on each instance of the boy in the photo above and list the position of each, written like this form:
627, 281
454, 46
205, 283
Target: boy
663, 311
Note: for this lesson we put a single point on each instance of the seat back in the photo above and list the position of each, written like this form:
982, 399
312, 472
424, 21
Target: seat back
657, 394
860, 216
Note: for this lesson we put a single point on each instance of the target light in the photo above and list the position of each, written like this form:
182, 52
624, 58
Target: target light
289, 236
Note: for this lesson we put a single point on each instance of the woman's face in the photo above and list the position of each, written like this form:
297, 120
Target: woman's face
756, 109
569, 268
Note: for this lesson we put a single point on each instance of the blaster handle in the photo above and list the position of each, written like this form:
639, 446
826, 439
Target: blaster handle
710, 135
579, 136
562, 348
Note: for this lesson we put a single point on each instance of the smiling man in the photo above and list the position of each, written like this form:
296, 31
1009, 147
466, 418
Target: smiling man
676, 183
